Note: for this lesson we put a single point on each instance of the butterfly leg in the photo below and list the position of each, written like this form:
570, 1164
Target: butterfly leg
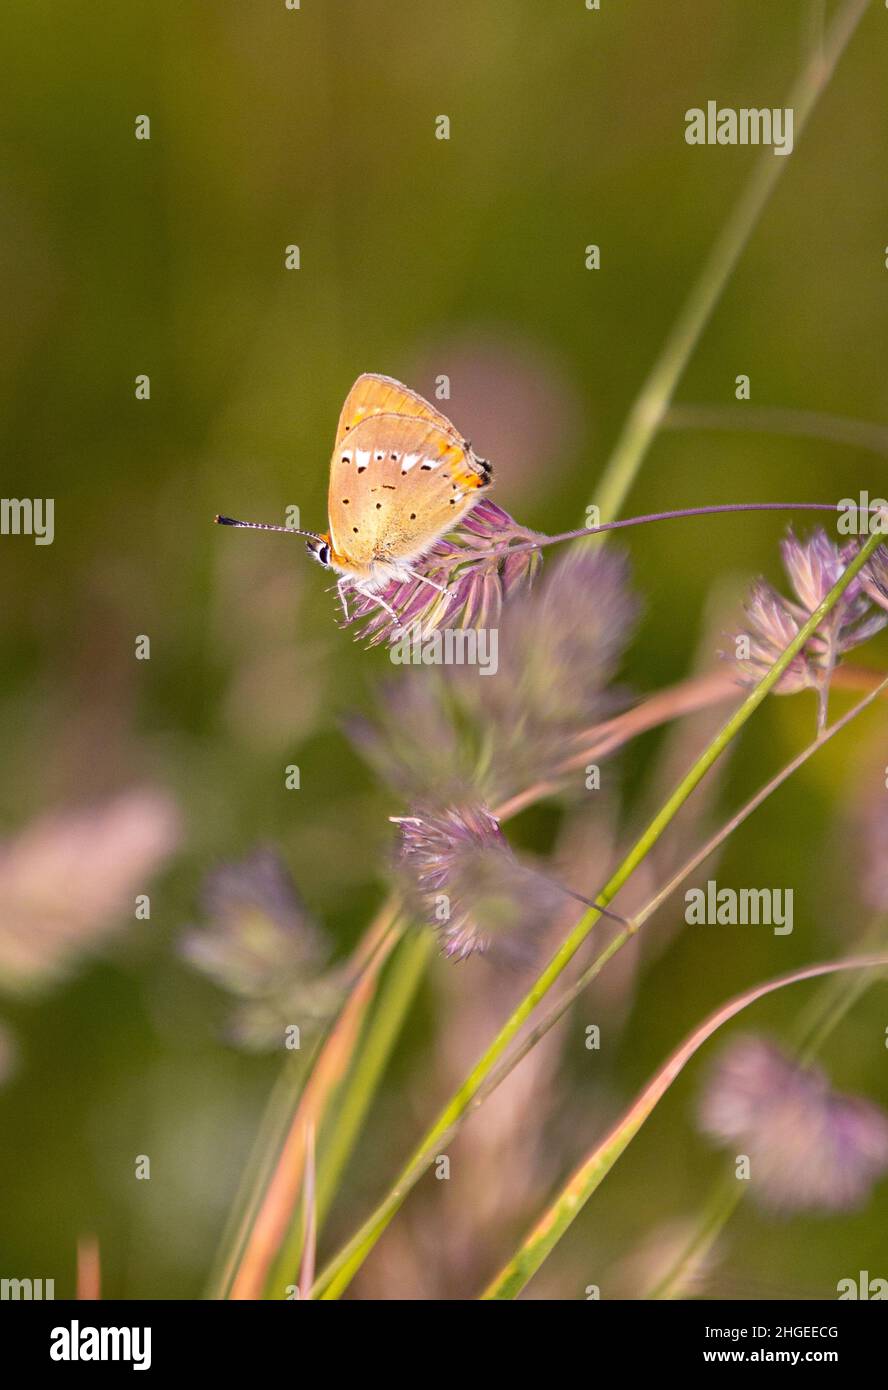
340, 589
377, 598
424, 579
387, 606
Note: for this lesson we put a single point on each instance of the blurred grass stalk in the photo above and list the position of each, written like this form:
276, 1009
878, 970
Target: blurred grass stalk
337, 1276
650, 407
89, 1269
567, 1206
797, 424
309, 1214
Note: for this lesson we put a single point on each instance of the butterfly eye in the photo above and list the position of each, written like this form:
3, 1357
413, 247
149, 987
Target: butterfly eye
319, 550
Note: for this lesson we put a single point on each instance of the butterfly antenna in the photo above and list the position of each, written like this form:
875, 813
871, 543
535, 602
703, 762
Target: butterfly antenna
265, 526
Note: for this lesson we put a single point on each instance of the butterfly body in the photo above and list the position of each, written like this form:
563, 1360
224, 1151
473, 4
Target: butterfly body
401, 477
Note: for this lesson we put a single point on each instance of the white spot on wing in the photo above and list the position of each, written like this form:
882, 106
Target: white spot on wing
347, 456
362, 457
410, 460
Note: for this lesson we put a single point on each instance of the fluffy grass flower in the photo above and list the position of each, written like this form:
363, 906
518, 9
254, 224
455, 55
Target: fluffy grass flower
559, 652
874, 577
447, 733
69, 879
813, 567
464, 880
259, 944
809, 1146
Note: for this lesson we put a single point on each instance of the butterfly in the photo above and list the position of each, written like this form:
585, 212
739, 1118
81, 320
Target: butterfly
401, 477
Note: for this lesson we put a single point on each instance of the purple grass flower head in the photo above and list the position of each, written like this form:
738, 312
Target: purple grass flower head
813, 567
260, 945
772, 626
462, 877
559, 650
478, 584
810, 1147
447, 733
561, 645
413, 742
874, 577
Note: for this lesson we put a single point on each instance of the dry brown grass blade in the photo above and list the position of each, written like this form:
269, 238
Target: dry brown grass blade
89, 1269
310, 1238
282, 1193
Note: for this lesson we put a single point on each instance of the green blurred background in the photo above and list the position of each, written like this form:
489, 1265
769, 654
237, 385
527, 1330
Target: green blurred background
418, 257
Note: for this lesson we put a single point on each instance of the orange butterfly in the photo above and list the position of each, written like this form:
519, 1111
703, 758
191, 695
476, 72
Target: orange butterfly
400, 478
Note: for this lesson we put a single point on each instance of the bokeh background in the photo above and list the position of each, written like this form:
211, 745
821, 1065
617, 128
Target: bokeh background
418, 257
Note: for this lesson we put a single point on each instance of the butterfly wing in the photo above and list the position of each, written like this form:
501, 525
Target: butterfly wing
373, 394
397, 484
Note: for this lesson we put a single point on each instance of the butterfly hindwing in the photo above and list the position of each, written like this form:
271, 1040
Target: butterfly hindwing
397, 484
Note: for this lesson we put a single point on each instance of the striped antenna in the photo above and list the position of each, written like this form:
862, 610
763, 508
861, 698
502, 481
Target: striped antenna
265, 526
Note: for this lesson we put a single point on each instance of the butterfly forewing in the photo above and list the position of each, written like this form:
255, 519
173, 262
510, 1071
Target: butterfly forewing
397, 484
373, 394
